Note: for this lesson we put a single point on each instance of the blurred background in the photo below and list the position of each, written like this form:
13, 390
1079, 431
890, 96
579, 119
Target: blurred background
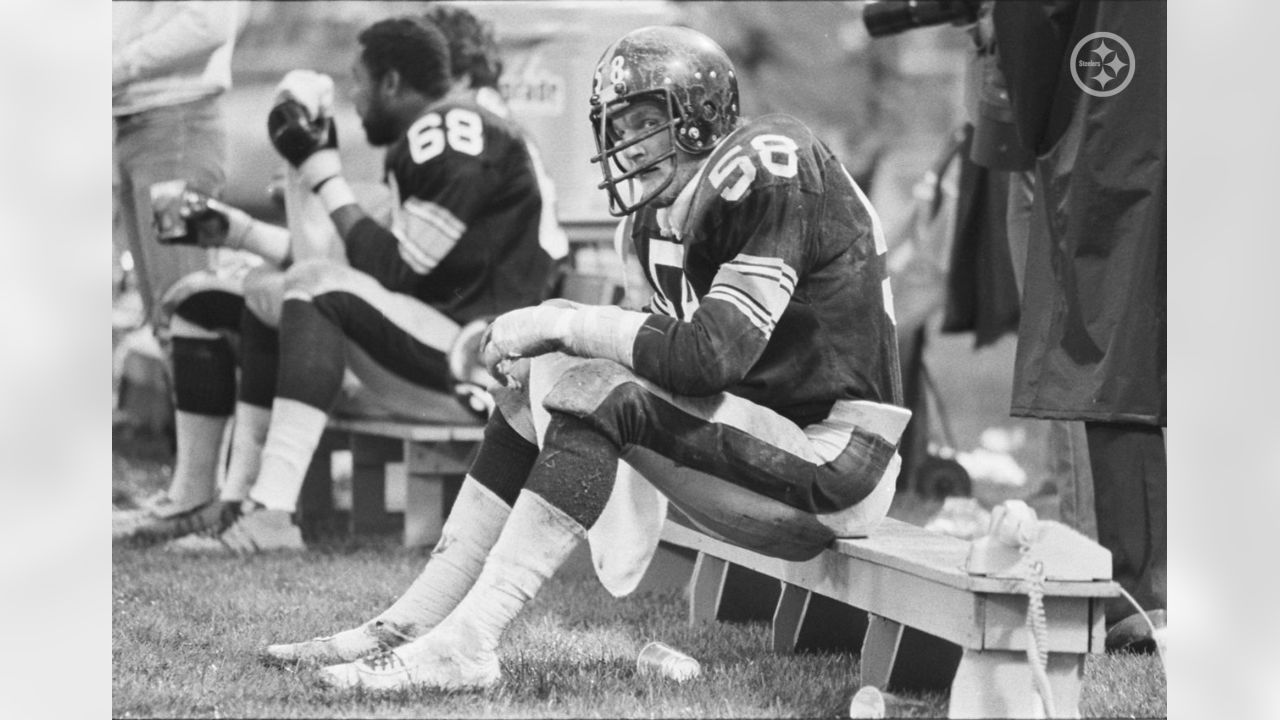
889, 107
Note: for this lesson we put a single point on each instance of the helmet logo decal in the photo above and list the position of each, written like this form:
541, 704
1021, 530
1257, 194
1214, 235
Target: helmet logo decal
617, 70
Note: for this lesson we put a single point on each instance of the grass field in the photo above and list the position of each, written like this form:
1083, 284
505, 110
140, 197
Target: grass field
186, 633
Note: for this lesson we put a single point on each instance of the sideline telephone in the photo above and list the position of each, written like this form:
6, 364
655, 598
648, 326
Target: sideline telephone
1017, 539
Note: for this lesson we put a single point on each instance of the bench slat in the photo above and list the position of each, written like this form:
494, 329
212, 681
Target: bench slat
890, 544
942, 558
408, 431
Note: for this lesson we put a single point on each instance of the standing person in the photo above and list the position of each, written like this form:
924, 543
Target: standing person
758, 392
1087, 83
461, 247
170, 65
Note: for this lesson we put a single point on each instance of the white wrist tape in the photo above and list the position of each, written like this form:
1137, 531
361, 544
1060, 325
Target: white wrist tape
245, 233
322, 165
270, 242
335, 193
602, 331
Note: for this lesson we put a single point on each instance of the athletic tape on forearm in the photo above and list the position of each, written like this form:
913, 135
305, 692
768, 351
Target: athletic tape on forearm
270, 242
603, 331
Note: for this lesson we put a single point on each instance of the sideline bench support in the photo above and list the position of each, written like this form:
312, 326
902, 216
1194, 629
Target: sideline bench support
436, 459
929, 623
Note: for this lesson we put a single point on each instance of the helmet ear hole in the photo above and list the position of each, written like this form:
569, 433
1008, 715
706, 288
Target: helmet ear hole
709, 111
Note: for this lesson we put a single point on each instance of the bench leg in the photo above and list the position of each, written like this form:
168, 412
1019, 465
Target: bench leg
788, 618
705, 587
998, 683
369, 457
879, 650
435, 473
670, 569
315, 501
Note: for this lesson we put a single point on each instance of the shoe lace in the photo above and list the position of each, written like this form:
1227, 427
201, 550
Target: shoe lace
387, 635
382, 661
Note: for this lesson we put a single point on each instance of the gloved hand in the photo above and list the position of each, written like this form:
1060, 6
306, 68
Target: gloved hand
213, 223
186, 216
301, 125
312, 90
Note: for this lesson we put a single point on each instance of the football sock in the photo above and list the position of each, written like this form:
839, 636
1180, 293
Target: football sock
248, 437
204, 394
474, 525
536, 540
195, 470
576, 470
292, 439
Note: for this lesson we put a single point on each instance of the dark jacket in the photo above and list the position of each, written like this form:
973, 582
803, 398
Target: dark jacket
1092, 339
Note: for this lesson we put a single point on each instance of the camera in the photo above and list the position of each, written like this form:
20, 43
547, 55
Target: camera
890, 17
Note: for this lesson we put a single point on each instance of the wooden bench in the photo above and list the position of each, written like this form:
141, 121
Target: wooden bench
904, 578
436, 458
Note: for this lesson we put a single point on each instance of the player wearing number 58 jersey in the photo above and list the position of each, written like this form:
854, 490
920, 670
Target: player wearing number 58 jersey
757, 393
769, 279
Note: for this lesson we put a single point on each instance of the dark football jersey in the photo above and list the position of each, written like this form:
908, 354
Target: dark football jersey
773, 286
467, 212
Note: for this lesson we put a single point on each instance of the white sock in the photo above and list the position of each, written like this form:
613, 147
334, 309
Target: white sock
295, 432
195, 470
536, 540
474, 524
247, 440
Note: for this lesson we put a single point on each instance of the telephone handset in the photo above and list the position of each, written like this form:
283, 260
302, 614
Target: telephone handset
1017, 540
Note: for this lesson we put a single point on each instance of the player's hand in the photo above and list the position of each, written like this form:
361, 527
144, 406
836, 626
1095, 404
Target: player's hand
523, 333
310, 89
213, 223
301, 125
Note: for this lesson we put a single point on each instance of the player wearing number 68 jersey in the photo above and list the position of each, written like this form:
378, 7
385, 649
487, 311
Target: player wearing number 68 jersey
465, 219
403, 307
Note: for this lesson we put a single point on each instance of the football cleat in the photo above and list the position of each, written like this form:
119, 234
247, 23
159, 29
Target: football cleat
344, 647
444, 661
253, 532
210, 518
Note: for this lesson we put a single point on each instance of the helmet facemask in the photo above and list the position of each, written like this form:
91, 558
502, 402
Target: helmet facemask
682, 70
609, 149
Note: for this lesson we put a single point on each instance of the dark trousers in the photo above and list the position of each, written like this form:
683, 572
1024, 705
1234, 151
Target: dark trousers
1130, 491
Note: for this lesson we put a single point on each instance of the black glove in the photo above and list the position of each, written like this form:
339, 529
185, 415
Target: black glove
296, 136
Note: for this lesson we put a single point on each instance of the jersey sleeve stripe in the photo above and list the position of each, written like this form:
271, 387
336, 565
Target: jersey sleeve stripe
765, 283
766, 264
747, 306
427, 232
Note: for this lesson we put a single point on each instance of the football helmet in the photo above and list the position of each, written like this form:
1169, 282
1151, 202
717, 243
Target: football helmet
682, 69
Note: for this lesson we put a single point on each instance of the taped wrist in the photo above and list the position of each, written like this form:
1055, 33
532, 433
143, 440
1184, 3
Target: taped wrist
320, 166
270, 242
334, 193
602, 331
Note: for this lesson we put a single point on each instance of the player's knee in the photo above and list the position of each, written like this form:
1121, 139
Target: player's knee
606, 395
581, 388
200, 305
263, 294
312, 277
